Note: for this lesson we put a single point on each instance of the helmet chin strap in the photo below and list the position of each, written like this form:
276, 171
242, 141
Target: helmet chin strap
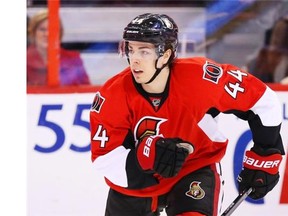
158, 70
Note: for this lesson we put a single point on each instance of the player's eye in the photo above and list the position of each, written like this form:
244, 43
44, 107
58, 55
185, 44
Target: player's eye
144, 53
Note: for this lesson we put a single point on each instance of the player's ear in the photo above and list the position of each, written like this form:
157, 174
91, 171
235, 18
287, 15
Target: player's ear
166, 56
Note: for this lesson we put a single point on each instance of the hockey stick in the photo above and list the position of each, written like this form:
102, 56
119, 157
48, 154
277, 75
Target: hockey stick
237, 201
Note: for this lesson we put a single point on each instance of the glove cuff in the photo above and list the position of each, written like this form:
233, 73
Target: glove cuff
269, 163
146, 152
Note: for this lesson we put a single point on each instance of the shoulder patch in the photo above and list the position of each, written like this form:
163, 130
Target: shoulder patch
97, 102
212, 72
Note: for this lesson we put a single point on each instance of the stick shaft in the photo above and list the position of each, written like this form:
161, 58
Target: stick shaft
237, 201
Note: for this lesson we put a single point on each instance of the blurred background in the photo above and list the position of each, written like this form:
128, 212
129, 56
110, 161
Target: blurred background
233, 32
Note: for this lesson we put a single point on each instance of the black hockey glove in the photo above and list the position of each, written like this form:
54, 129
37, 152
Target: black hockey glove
260, 171
164, 156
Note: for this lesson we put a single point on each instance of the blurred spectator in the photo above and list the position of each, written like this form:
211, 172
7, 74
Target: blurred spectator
72, 71
271, 63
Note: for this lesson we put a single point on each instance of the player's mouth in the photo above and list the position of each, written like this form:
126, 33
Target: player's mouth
137, 71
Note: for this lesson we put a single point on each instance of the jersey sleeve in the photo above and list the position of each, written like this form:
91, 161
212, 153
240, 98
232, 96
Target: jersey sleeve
250, 99
112, 142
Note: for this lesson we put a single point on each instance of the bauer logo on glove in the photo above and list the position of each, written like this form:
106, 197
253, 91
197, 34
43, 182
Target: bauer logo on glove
268, 164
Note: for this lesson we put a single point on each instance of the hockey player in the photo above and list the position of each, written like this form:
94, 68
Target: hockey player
153, 132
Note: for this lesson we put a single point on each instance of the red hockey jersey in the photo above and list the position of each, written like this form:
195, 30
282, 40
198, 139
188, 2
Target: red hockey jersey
198, 89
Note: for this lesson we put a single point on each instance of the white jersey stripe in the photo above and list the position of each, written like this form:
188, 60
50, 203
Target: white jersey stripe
113, 166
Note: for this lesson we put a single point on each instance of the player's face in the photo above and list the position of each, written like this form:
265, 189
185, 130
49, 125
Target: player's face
142, 58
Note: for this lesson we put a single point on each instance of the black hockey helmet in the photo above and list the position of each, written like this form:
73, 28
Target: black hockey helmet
158, 29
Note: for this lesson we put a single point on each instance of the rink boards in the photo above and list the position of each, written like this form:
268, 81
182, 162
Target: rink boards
60, 177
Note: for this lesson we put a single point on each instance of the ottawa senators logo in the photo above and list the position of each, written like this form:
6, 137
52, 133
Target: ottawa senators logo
97, 102
212, 72
195, 191
147, 126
